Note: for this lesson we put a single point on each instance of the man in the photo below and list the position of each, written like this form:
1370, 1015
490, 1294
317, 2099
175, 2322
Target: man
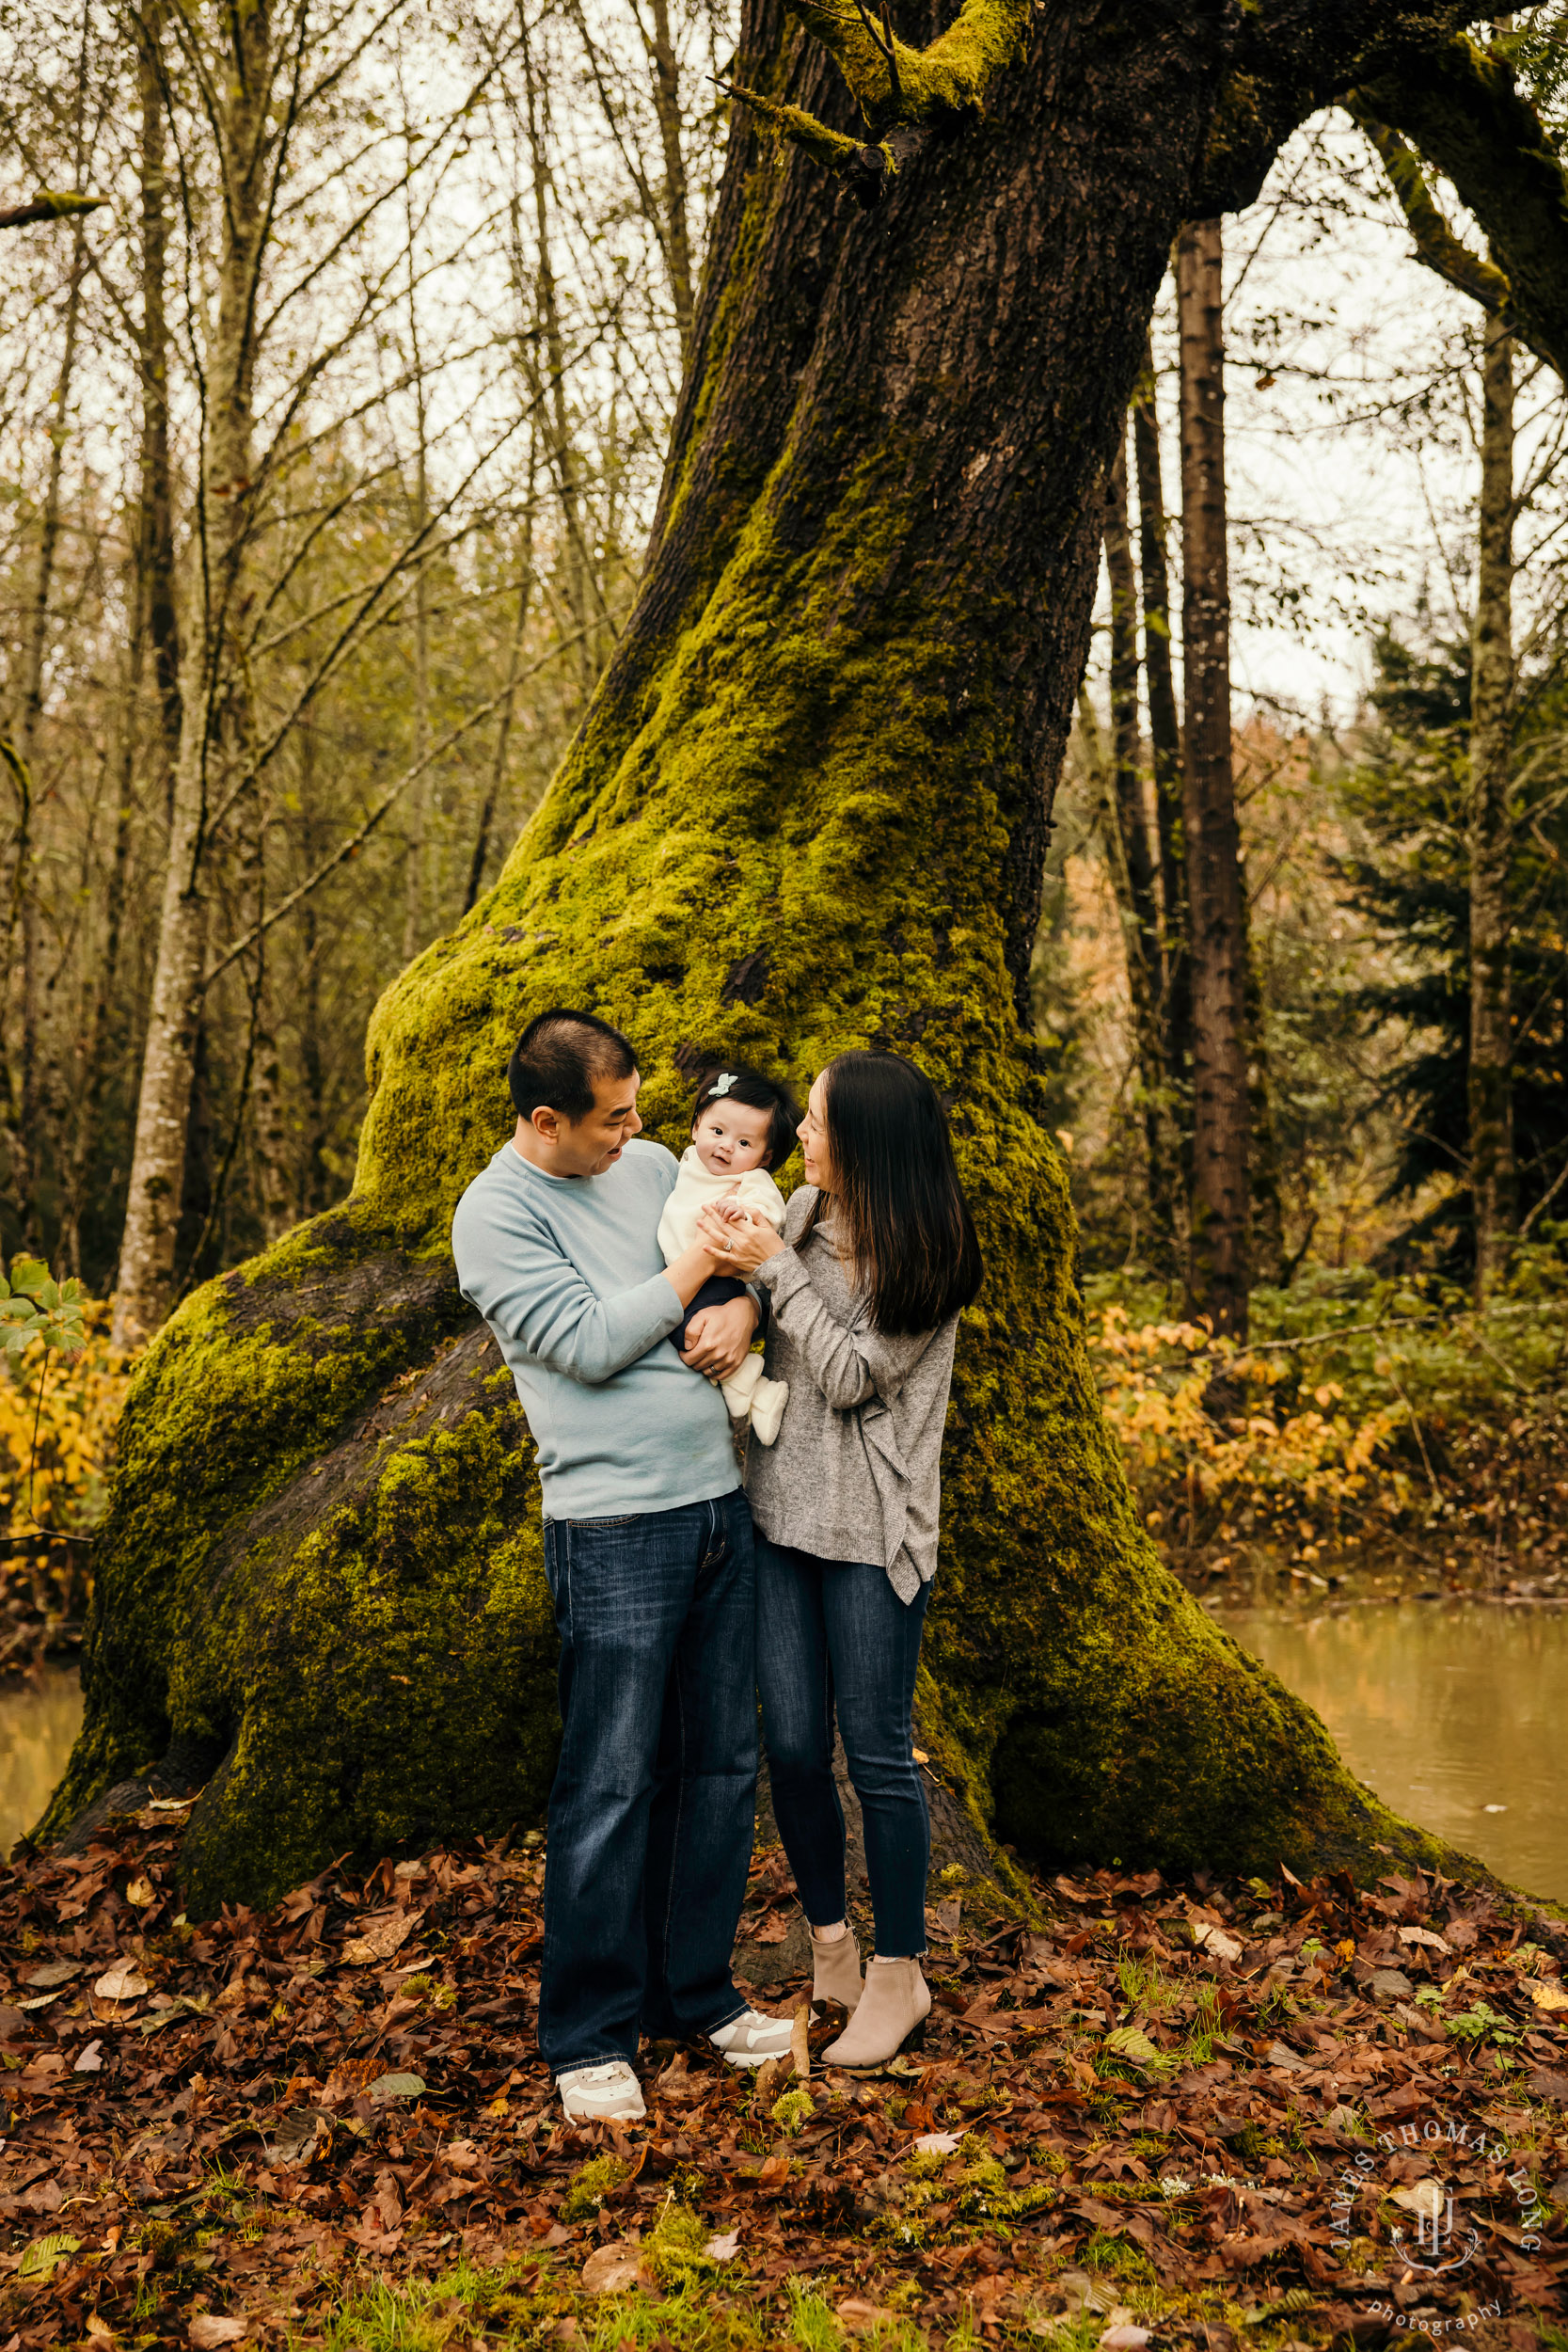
648, 1551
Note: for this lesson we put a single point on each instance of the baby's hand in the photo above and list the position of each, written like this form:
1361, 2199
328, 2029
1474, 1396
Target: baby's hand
735, 1235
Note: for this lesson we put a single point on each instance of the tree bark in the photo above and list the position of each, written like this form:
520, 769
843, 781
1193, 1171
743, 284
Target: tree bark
154, 622
676, 238
156, 517
807, 809
498, 762
1266, 1227
1493, 1187
146, 1279
26, 1091
508, 709
1164, 735
1134, 870
420, 805
550, 364
1218, 1266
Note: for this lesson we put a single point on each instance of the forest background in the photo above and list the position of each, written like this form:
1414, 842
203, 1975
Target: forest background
449, 282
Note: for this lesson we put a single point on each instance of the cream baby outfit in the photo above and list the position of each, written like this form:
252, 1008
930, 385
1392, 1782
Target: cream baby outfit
751, 1396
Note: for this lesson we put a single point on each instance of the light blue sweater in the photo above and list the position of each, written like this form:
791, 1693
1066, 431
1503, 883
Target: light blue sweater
568, 1274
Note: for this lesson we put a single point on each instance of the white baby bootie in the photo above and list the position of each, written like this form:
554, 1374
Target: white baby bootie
768, 1399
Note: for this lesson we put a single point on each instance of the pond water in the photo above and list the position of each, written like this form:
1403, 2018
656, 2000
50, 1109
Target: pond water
39, 1723
1452, 1710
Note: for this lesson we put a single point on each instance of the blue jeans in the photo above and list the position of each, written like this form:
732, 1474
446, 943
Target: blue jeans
834, 1633
654, 1806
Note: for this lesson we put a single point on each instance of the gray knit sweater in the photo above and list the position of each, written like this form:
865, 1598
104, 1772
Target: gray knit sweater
856, 1473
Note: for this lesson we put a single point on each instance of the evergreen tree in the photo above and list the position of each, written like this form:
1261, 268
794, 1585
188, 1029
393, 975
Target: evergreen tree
1408, 873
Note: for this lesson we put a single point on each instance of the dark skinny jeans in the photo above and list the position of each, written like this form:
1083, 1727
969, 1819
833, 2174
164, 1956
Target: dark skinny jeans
655, 1797
833, 1634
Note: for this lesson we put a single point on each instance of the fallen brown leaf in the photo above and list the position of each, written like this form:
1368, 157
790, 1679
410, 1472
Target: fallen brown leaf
609, 2268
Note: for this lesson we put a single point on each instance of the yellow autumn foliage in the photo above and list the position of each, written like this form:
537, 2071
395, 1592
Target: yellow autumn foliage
55, 1448
1259, 1440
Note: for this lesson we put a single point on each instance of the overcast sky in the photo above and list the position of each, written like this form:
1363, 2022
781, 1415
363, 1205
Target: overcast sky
1352, 475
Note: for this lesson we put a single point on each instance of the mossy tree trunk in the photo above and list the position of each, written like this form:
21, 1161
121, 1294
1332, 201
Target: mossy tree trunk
807, 809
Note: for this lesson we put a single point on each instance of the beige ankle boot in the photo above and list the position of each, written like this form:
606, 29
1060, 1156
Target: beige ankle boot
836, 1963
895, 1999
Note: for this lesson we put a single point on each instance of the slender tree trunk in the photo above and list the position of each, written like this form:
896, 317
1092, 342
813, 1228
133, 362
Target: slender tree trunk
577, 570
503, 737
508, 708
25, 1104
1493, 1185
156, 519
1134, 869
164, 1105
154, 621
1218, 1269
420, 802
275, 1189
1266, 1231
807, 809
314, 1181
677, 202
1164, 732
93, 1056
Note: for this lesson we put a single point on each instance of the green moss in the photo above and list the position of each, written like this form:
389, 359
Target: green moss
591, 2184
793, 2109
322, 1578
949, 78
673, 2248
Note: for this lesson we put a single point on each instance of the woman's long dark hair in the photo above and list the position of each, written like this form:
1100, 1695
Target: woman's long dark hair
900, 1210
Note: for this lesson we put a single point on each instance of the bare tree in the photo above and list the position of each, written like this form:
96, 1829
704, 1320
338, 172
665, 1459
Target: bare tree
1218, 1278
1489, 829
1133, 866
22, 1072
239, 87
1164, 731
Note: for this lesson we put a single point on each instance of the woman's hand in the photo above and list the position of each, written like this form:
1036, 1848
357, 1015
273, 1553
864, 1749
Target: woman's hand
738, 1240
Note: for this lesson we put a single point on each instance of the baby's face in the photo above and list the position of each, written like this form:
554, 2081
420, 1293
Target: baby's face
731, 1137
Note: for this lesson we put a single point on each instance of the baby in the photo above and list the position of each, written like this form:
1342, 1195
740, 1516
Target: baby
743, 1125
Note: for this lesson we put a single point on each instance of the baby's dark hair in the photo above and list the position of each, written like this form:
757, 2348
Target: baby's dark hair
759, 1094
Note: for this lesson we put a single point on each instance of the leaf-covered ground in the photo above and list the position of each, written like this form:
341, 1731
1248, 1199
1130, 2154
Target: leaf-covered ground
1163, 2115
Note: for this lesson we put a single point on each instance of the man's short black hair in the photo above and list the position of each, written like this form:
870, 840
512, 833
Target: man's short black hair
557, 1059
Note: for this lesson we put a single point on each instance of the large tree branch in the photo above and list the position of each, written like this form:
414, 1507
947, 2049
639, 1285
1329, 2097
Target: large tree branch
902, 93
1459, 105
47, 205
1435, 242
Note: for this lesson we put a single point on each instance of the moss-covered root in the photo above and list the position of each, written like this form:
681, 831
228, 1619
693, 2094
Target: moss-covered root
320, 1588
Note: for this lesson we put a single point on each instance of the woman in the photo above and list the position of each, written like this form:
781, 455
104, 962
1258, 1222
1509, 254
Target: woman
878, 1259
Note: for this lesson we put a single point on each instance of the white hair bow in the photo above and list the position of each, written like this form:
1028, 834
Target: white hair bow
722, 1084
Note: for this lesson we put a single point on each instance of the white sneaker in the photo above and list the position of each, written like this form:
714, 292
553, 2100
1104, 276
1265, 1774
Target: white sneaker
601, 2094
752, 2039
768, 1406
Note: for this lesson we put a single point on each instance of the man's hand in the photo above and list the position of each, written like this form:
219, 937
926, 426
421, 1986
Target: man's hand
719, 1339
